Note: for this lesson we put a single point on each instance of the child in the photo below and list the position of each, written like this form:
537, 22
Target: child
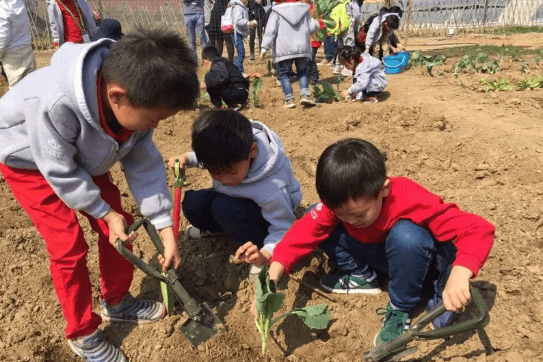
70, 21
16, 53
382, 29
224, 81
367, 221
369, 76
254, 192
240, 19
61, 130
256, 13
216, 37
288, 31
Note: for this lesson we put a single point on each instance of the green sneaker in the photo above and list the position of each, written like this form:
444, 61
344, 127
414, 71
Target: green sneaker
348, 284
396, 322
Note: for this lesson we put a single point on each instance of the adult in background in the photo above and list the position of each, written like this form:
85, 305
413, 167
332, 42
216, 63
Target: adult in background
256, 13
71, 21
16, 54
216, 37
193, 11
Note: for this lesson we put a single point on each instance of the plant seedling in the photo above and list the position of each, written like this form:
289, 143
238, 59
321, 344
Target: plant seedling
428, 61
257, 84
325, 95
268, 301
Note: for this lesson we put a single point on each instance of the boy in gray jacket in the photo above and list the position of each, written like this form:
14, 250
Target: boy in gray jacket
240, 19
288, 35
254, 192
61, 129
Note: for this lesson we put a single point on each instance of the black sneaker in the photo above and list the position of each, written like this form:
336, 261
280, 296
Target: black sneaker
348, 284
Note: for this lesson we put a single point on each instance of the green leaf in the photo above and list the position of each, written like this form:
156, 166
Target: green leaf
257, 84
167, 296
268, 301
314, 316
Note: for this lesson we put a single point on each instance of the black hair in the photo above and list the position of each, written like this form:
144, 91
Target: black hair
210, 53
349, 53
156, 67
220, 138
392, 21
349, 169
360, 2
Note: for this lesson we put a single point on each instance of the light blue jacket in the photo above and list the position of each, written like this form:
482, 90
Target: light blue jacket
57, 24
270, 183
288, 32
50, 122
375, 31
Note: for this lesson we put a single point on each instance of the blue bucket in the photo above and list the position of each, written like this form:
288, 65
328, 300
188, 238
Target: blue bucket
396, 62
393, 63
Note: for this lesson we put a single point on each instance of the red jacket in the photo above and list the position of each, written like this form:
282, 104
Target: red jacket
472, 235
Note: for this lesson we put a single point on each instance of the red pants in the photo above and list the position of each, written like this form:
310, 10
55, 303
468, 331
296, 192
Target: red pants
60, 229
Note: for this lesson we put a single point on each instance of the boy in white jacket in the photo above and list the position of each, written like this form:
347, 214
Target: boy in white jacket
16, 52
288, 34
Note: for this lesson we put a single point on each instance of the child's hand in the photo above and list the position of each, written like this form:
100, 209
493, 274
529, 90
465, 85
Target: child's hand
203, 85
456, 293
183, 160
345, 94
250, 254
117, 226
261, 56
171, 255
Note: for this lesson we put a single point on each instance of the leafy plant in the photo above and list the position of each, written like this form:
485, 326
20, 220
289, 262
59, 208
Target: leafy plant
326, 94
269, 67
479, 63
500, 85
268, 301
428, 61
257, 84
339, 79
524, 69
530, 83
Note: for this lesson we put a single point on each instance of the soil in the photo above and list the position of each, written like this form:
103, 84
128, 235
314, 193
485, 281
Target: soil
483, 151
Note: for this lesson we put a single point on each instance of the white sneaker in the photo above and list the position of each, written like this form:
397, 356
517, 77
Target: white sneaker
192, 232
337, 69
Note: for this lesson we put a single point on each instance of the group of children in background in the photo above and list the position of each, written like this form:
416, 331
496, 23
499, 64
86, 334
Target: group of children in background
289, 29
61, 136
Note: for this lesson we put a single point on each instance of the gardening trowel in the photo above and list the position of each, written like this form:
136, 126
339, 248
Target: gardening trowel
202, 323
396, 348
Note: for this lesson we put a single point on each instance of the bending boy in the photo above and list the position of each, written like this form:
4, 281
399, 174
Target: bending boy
61, 131
367, 221
254, 192
224, 81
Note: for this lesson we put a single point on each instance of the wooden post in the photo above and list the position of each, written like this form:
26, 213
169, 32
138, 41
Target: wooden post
408, 22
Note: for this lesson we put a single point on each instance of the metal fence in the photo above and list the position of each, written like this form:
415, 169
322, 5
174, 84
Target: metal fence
434, 16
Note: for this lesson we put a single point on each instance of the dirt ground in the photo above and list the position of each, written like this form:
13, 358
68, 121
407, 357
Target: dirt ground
483, 151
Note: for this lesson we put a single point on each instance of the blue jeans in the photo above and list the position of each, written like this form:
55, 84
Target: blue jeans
195, 25
238, 42
240, 218
409, 256
330, 48
283, 73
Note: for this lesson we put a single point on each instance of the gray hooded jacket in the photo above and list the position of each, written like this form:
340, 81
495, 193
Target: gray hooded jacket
375, 31
369, 75
50, 122
270, 183
240, 17
288, 31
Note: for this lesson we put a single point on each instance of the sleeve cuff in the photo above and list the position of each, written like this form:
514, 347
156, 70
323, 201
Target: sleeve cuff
161, 220
468, 261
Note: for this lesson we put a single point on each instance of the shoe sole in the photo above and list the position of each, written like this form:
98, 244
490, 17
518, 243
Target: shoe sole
307, 103
289, 106
373, 291
133, 321
80, 355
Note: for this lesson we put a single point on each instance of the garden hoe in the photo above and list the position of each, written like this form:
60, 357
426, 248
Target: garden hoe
202, 323
396, 348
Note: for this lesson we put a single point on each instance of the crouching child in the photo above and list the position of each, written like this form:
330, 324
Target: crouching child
369, 78
254, 191
368, 222
224, 81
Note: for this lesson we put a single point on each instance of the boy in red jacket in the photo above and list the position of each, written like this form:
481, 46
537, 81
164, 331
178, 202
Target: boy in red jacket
369, 222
